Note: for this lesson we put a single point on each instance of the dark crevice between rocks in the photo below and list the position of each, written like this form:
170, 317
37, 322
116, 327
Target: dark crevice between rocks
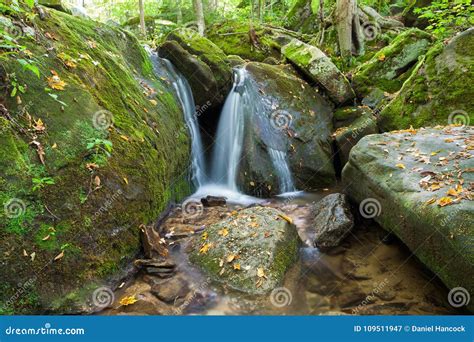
336, 160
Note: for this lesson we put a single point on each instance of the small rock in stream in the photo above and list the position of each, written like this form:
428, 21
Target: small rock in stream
332, 221
171, 290
213, 201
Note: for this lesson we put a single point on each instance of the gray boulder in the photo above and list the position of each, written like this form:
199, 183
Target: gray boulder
332, 221
418, 185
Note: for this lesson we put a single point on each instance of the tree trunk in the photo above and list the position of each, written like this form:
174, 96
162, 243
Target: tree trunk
179, 13
344, 20
142, 18
197, 4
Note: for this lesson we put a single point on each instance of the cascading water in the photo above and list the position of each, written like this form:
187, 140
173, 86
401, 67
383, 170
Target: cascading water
183, 91
230, 133
279, 161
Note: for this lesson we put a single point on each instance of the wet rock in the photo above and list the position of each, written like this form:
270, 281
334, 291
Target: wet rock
150, 241
385, 295
332, 220
271, 60
319, 68
410, 183
203, 63
347, 137
171, 290
436, 92
392, 65
235, 60
285, 120
162, 269
213, 201
250, 251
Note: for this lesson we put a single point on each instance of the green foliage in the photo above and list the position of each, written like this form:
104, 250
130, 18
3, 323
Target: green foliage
40, 183
447, 17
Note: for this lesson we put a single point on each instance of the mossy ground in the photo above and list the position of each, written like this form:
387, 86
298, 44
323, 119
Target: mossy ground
97, 229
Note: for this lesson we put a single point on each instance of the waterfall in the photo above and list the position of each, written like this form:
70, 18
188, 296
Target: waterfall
164, 67
230, 134
280, 163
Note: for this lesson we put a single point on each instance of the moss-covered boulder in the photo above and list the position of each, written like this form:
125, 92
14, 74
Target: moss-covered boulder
301, 17
285, 118
418, 185
89, 150
437, 91
203, 64
250, 251
392, 65
320, 69
254, 43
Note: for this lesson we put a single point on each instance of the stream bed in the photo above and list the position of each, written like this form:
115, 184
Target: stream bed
372, 272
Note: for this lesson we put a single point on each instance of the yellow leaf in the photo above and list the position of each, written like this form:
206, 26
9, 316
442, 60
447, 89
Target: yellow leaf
153, 102
237, 267
46, 237
260, 272
223, 232
204, 236
286, 218
125, 180
205, 248
55, 82
444, 201
54, 146
381, 57
230, 258
431, 200
400, 166
124, 137
128, 300
435, 186
252, 183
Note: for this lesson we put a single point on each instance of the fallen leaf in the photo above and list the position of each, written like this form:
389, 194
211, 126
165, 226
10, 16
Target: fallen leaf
444, 201
261, 273
230, 258
46, 237
431, 200
97, 181
128, 300
55, 82
205, 248
400, 166
223, 232
125, 180
33, 256
286, 218
25, 254
237, 267
124, 137
59, 256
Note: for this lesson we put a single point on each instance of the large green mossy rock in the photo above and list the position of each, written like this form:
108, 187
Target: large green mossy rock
203, 64
319, 68
392, 65
285, 115
113, 147
402, 179
250, 251
233, 37
438, 91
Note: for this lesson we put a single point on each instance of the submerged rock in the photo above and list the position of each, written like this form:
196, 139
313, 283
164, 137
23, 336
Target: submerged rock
332, 221
418, 185
287, 122
202, 63
106, 155
392, 65
319, 68
249, 251
213, 201
437, 91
